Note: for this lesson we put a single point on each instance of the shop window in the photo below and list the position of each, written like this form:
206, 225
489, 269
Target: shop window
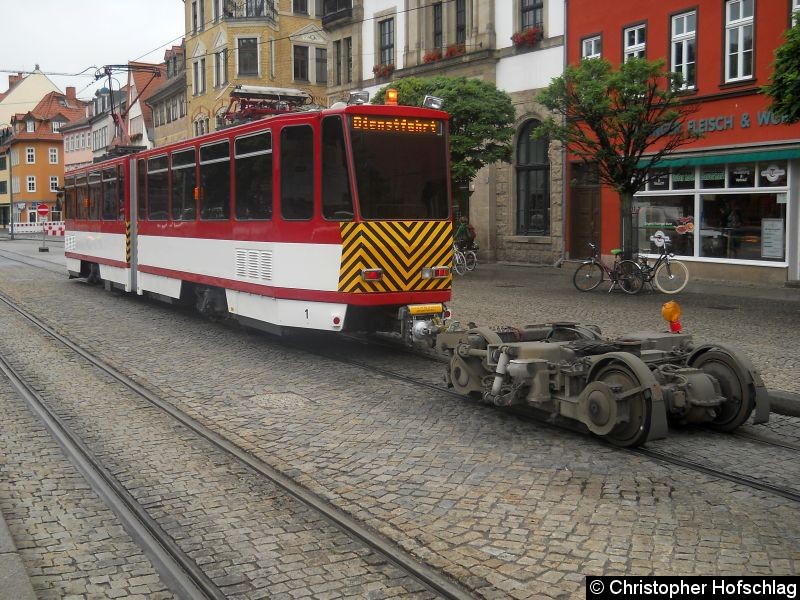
743, 226
683, 179
772, 174
712, 177
742, 175
671, 215
533, 182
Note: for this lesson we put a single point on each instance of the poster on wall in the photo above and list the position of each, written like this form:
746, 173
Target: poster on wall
772, 238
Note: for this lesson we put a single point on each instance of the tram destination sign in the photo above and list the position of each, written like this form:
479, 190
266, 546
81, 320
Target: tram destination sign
397, 125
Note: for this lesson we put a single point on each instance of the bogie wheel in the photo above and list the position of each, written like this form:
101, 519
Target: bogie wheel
733, 384
587, 277
630, 276
622, 380
672, 277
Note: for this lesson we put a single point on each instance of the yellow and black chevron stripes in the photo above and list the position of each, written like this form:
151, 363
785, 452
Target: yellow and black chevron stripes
128, 242
401, 249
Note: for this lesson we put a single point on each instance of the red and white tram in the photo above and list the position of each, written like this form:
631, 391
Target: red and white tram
334, 219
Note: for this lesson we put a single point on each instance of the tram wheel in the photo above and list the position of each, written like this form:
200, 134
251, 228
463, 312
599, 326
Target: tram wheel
620, 378
733, 384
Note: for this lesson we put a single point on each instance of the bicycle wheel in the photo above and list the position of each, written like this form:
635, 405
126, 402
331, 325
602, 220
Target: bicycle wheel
587, 277
671, 277
459, 263
471, 260
630, 277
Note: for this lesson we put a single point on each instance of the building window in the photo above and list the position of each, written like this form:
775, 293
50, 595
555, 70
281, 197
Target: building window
54, 183
321, 63
198, 16
461, 21
53, 155
531, 13
221, 68
337, 62
795, 6
3, 165
738, 40
386, 37
592, 47
300, 7
56, 126
30, 126
3, 187
199, 79
533, 182
300, 54
248, 56
684, 46
30, 181
30, 156
635, 39
438, 38
348, 57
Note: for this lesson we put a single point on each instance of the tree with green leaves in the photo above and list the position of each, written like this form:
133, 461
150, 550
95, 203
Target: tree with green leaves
784, 88
481, 121
622, 120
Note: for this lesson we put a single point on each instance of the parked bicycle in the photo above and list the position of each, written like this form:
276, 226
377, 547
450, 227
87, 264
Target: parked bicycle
465, 257
667, 274
624, 274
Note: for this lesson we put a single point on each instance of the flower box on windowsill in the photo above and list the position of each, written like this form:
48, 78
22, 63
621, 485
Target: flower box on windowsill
382, 71
527, 38
455, 50
432, 55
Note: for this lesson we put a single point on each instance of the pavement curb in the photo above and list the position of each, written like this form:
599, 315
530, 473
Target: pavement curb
14, 581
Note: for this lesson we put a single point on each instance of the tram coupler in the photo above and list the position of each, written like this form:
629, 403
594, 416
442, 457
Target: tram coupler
422, 322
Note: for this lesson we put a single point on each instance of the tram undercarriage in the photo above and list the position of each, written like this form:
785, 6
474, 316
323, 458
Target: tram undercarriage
624, 390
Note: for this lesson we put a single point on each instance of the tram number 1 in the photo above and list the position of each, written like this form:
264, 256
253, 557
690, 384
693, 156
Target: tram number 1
306, 314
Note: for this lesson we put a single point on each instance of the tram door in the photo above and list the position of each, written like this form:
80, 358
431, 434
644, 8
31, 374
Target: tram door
584, 209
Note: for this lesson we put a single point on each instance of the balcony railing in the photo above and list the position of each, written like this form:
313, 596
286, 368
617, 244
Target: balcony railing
249, 9
334, 10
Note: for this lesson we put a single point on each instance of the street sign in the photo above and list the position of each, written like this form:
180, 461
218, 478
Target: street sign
43, 210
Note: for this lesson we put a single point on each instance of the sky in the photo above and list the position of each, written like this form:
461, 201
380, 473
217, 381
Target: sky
79, 37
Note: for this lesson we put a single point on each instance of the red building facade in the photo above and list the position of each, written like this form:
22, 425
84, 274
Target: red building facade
729, 201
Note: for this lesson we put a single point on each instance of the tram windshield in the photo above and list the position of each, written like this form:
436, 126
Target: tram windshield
400, 166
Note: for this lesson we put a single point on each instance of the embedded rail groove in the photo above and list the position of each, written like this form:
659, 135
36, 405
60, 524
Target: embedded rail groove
178, 570
427, 576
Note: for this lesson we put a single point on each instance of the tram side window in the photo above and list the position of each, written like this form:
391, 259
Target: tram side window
141, 189
70, 198
337, 202
253, 176
183, 184
95, 195
157, 190
121, 192
82, 198
110, 194
297, 173
215, 181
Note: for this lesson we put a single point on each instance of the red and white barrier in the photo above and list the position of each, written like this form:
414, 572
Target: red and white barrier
51, 228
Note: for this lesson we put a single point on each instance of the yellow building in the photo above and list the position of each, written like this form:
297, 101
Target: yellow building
274, 43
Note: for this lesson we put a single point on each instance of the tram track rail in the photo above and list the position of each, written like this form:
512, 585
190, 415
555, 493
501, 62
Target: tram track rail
427, 576
175, 566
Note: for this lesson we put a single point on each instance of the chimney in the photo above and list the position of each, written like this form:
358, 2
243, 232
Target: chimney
14, 80
71, 99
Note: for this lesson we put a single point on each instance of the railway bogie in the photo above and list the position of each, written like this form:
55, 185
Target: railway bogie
624, 390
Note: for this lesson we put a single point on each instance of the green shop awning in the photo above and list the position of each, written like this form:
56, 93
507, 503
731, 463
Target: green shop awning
719, 159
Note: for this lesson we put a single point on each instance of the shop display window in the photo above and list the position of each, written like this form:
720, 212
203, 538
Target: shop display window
743, 226
672, 215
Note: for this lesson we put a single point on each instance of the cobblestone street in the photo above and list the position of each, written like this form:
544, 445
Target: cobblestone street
508, 507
